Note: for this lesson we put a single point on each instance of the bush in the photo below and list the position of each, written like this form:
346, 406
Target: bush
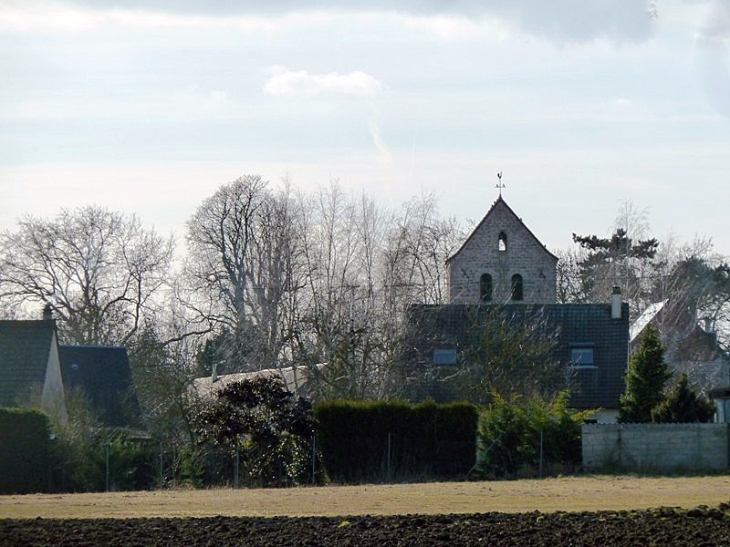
381, 440
511, 433
25, 448
683, 405
261, 425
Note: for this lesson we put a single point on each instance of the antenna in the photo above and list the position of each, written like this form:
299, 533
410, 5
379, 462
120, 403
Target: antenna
500, 185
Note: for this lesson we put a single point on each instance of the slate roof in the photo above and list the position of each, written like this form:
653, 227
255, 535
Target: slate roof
590, 325
24, 353
103, 375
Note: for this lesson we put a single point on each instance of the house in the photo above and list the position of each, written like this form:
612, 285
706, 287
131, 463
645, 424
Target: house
36, 371
102, 375
690, 345
30, 371
502, 270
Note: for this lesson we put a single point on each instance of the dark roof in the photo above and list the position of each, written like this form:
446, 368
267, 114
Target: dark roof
502, 203
24, 353
104, 376
590, 325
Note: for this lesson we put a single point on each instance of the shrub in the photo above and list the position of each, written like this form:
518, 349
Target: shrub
394, 440
511, 433
25, 448
683, 405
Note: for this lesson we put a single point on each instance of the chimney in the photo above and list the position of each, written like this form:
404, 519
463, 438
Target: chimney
47, 312
709, 327
214, 374
616, 303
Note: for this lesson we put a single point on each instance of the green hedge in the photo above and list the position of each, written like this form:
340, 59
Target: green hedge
24, 451
383, 441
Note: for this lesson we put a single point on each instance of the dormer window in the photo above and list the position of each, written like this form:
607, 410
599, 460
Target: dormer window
517, 288
485, 288
502, 243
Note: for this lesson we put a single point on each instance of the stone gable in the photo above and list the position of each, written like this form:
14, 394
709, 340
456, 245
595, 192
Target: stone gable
499, 252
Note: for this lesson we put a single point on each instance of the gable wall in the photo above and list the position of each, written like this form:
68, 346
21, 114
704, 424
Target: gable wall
53, 400
524, 255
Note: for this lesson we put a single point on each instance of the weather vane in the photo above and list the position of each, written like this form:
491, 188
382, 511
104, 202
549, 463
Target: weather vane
500, 185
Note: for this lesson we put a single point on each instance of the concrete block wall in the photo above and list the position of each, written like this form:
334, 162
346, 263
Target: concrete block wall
656, 447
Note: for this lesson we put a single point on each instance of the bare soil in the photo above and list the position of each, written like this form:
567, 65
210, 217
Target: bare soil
665, 526
575, 511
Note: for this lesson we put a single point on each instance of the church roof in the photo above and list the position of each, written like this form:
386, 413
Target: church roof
500, 203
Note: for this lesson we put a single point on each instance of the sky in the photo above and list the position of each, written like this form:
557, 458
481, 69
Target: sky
147, 107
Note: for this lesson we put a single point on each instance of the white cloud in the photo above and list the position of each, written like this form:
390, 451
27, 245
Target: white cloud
449, 27
61, 18
572, 20
286, 83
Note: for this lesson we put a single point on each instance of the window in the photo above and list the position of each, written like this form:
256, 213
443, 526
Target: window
444, 356
582, 356
517, 288
502, 243
485, 288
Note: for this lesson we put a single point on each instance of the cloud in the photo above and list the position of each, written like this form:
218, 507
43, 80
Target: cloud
567, 20
384, 154
714, 57
286, 83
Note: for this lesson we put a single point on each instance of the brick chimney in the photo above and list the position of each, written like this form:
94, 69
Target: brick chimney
47, 312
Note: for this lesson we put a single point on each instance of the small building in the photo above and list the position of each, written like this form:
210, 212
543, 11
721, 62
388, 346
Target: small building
30, 371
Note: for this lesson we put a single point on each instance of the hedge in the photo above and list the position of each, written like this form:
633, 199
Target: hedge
24, 451
384, 441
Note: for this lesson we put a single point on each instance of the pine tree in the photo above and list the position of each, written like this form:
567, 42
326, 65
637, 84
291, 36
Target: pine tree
646, 378
683, 405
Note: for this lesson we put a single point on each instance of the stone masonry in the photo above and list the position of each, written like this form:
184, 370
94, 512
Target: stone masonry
502, 246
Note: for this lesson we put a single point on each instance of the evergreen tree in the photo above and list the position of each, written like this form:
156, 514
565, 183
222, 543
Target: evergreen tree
683, 405
645, 380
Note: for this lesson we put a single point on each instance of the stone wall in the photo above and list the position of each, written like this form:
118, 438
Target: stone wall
521, 254
656, 447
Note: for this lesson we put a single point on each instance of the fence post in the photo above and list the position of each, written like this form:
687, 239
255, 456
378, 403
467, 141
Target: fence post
162, 466
387, 459
106, 458
236, 463
314, 459
541, 453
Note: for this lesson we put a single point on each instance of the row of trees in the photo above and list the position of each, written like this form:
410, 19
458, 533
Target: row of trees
275, 277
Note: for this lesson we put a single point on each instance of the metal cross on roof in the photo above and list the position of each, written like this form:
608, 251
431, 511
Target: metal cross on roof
500, 184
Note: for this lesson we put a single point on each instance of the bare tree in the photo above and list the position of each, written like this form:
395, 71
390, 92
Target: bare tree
98, 270
242, 247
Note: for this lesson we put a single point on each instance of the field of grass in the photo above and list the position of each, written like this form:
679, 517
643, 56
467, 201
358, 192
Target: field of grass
547, 495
